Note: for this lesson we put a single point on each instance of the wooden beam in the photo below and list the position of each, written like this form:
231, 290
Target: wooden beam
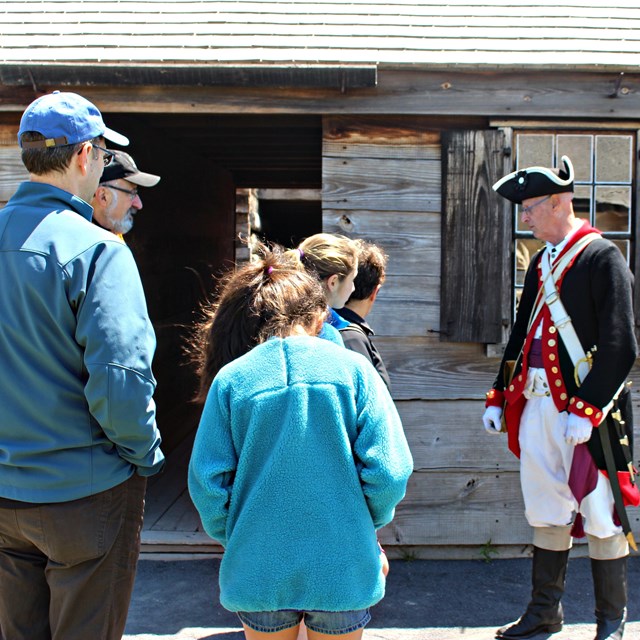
447, 93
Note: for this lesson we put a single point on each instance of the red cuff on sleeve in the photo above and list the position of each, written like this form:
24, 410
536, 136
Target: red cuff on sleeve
585, 410
495, 398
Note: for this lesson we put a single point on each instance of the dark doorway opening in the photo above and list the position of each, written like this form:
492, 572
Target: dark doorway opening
185, 237
288, 222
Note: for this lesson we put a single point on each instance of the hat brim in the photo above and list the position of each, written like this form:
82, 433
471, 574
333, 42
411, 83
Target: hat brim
115, 137
142, 179
533, 182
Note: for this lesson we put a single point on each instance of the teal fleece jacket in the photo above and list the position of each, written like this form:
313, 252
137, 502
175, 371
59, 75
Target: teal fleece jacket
76, 410
299, 457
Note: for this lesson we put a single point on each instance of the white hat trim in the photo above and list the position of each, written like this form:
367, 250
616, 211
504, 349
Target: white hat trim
554, 177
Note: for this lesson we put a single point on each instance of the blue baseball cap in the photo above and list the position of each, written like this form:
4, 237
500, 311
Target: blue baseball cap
65, 118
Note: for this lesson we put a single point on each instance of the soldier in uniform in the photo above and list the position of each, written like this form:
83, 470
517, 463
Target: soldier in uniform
566, 406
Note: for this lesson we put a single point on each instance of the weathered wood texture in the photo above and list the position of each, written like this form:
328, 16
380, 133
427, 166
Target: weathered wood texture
381, 182
515, 94
425, 368
476, 238
12, 171
465, 489
246, 206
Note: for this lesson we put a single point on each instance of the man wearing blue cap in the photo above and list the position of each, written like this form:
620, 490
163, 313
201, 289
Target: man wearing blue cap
566, 406
78, 435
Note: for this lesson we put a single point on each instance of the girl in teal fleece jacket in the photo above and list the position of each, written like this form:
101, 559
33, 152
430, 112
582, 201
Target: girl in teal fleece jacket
299, 458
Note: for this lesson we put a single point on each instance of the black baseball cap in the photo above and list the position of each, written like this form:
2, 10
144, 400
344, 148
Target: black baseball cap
123, 166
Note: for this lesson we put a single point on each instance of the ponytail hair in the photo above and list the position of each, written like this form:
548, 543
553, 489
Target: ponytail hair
261, 299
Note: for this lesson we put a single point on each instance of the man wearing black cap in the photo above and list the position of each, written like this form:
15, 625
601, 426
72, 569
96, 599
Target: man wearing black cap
566, 406
117, 200
78, 435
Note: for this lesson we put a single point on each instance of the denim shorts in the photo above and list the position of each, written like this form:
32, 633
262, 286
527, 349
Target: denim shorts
332, 623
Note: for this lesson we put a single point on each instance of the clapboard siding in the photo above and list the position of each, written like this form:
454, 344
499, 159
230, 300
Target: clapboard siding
459, 508
425, 368
407, 306
411, 239
450, 437
399, 185
465, 508
12, 171
465, 489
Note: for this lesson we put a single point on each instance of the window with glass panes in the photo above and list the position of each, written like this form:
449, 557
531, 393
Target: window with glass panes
603, 164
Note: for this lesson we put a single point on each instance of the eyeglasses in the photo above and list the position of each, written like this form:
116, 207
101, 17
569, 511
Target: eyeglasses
133, 193
527, 210
107, 156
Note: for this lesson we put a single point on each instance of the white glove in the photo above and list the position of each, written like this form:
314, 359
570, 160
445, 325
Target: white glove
492, 420
578, 429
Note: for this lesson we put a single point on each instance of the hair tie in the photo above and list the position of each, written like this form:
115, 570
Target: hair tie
270, 270
301, 252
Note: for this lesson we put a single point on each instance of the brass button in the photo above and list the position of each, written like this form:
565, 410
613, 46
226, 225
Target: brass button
511, 387
599, 414
552, 356
563, 396
551, 342
588, 411
558, 383
580, 404
552, 329
520, 378
554, 369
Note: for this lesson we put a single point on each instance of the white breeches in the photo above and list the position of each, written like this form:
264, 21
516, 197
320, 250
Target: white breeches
545, 464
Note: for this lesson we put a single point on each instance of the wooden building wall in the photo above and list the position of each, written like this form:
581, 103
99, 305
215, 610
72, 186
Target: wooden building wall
382, 182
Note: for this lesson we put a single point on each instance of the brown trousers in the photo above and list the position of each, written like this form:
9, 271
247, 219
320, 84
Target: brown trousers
67, 569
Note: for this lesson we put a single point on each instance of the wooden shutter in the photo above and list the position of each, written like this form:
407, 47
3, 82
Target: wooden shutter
477, 273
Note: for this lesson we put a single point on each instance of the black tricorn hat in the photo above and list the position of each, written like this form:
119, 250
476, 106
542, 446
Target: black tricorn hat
536, 181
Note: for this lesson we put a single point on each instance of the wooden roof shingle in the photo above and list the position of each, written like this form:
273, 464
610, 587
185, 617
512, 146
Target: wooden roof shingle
517, 33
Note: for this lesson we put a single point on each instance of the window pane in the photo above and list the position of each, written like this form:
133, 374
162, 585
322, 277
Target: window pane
526, 248
613, 159
623, 245
579, 148
535, 150
613, 208
582, 202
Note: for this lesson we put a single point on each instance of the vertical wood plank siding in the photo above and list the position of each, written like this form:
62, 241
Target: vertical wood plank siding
476, 256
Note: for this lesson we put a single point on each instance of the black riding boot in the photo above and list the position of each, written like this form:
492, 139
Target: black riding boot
544, 613
610, 587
